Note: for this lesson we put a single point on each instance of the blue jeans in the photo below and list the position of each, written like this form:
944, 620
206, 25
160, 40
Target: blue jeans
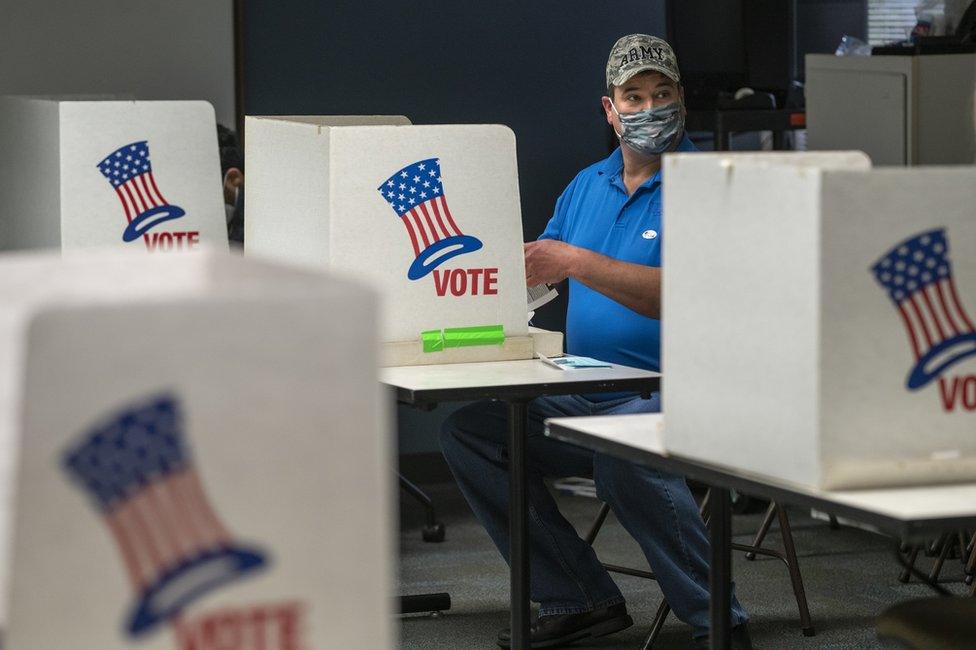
657, 509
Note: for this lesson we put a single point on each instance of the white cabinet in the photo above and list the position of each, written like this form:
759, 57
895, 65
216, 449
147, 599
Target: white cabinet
900, 110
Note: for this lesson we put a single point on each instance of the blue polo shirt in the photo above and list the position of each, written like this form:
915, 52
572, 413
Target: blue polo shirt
596, 213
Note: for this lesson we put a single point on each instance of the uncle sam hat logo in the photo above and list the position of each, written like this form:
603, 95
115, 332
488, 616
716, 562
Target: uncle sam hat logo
917, 275
138, 472
416, 194
129, 172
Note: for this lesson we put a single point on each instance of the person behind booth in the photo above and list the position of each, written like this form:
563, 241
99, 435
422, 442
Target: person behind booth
232, 173
605, 237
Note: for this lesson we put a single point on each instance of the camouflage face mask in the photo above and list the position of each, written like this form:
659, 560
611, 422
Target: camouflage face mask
652, 131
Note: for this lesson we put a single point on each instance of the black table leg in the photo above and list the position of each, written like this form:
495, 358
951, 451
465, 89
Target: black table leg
720, 569
779, 140
518, 517
721, 139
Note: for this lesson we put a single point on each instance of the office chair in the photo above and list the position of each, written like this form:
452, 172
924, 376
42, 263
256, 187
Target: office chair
952, 544
788, 557
433, 530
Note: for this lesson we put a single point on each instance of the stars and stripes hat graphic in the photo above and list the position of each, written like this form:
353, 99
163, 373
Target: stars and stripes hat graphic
917, 275
130, 174
416, 194
138, 472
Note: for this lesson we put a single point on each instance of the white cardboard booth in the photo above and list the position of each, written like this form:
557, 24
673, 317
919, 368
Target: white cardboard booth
429, 215
195, 455
79, 174
820, 318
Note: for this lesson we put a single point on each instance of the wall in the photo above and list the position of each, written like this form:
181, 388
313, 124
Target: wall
822, 23
179, 49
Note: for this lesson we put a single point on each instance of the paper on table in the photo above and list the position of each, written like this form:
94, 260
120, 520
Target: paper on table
539, 295
570, 362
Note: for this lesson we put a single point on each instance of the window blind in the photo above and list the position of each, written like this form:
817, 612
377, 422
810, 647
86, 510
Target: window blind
890, 20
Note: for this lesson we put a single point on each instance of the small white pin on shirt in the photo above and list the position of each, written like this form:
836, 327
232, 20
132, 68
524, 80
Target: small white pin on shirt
649, 234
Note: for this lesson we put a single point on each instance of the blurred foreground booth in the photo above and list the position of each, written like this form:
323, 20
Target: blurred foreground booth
820, 318
428, 215
78, 174
170, 475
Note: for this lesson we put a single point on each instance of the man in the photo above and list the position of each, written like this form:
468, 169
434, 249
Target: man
605, 236
232, 171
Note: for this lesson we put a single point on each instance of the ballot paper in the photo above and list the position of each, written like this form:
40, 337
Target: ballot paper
540, 295
570, 362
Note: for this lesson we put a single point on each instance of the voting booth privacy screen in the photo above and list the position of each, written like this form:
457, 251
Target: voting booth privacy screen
428, 215
124, 174
175, 452
821, 318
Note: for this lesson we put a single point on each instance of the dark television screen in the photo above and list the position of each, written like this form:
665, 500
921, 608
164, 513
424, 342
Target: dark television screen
707, 38
723, 45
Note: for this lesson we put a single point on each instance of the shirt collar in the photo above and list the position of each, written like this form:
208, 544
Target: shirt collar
613, 165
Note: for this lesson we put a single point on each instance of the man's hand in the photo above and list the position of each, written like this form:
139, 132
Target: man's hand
549, 260
634, 286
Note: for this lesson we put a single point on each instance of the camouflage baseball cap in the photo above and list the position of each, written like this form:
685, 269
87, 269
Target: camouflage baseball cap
639, 52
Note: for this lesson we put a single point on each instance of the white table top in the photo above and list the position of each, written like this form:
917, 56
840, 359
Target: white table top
644, 432
505, 374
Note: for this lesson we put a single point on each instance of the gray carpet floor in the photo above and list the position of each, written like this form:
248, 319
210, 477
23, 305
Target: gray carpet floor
850, 577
